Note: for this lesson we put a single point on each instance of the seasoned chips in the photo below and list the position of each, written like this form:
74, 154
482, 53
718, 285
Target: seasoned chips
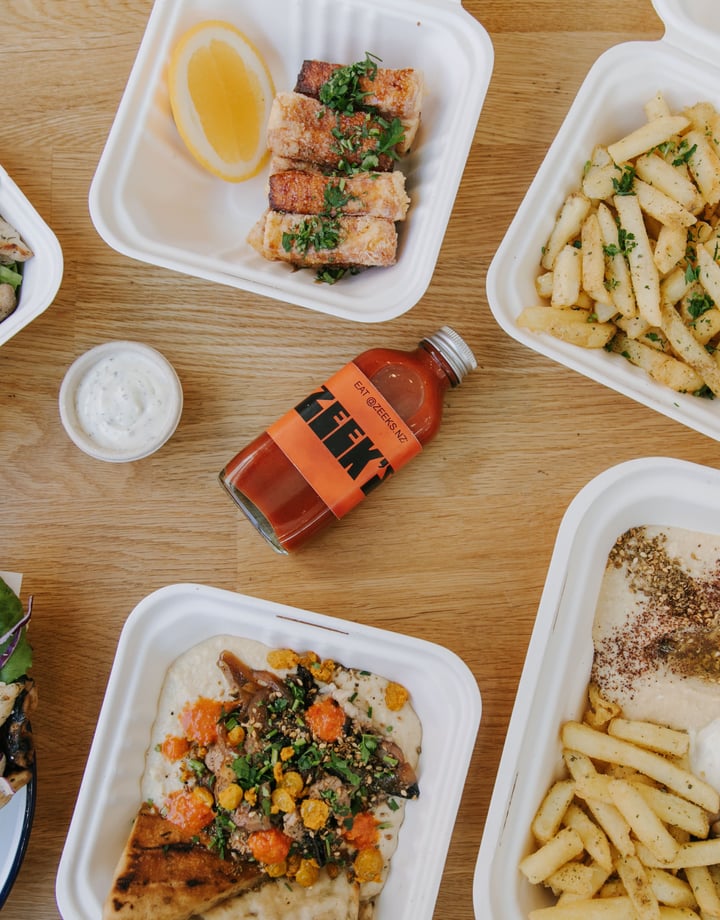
632, 263
626, 832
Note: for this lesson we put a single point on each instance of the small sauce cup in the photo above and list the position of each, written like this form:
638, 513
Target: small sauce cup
120, 401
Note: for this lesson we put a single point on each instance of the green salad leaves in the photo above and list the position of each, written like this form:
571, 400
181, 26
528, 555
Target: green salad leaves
15, 650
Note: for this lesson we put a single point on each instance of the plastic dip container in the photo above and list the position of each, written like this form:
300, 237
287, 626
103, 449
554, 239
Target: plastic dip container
120, 401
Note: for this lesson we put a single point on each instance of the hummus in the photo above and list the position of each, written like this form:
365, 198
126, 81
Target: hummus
656, 635
364, 700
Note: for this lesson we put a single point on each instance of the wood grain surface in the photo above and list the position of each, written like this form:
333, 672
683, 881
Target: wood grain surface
454, 550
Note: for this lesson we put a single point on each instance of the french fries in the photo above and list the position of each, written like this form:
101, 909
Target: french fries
634, 254
625, 834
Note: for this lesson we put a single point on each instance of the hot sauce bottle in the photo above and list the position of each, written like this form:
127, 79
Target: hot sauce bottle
348, 436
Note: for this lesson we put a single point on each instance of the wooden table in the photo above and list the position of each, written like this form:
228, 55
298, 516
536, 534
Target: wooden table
454, 550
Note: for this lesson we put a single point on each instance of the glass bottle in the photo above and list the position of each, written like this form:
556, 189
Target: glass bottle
322, 457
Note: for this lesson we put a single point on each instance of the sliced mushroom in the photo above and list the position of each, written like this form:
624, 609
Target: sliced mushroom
8, 300
18, 741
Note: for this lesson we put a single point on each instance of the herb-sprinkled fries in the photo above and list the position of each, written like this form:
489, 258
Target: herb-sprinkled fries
626, 832
632, 263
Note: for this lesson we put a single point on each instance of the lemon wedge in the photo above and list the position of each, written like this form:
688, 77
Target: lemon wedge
220, 94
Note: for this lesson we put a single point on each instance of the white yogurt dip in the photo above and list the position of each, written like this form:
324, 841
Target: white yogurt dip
656, 635
120, 401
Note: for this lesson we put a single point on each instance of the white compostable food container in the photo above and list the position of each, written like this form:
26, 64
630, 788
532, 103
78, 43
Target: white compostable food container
553, 685
16, 818
150, 200
43, 272
165, 624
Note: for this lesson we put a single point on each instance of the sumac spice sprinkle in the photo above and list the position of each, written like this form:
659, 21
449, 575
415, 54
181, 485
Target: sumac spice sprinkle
676, 622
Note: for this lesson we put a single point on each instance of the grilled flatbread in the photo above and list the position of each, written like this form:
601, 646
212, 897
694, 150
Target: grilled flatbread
164, 875
328, 899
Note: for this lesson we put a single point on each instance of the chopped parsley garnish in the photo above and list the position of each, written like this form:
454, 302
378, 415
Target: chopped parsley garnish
685, 152
342, 92
692, 273
342, 768
391, 135
317, 230
309, 758
368, 746
220, 831
626, 240
704, 392
624, 185
250, 771
197, 766
330, 274
336, 197
699, 304
366, 139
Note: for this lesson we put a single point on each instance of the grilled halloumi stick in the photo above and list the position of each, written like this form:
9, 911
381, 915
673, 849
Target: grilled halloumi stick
395, 93
302, 128
363, 241
282, 164
374, 194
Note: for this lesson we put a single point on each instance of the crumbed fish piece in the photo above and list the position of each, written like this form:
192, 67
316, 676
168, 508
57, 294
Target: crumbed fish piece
395, 93
362, 241
164, 875
12, 247
375, 194
302, 128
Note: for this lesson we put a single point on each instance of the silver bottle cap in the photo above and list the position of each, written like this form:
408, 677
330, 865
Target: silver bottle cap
455, 350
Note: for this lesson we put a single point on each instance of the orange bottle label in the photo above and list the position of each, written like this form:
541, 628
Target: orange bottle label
345, 439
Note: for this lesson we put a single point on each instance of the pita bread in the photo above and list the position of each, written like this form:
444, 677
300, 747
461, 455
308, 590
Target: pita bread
12, 248
328, 899
164, 875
